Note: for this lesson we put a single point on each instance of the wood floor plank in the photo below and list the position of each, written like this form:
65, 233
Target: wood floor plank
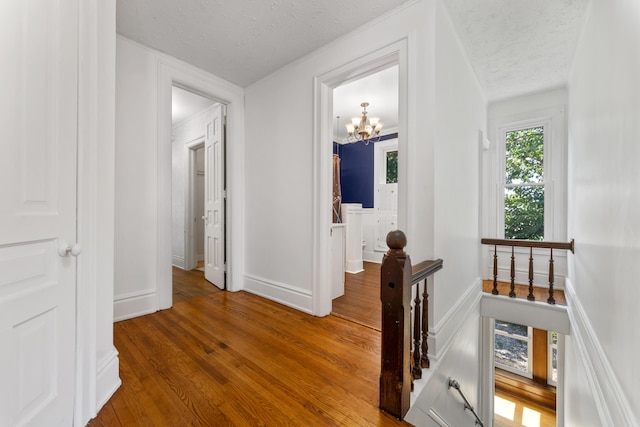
361, 300
190, 284
540, 293
241, 360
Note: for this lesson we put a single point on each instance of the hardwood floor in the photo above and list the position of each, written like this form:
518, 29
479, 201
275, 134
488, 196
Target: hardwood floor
361, 300
236, 359
190, 284
541, 294
511, 411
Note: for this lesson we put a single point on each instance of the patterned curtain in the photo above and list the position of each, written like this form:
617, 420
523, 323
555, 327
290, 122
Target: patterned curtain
337, 194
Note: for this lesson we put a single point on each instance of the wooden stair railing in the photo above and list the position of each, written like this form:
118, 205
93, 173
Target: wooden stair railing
399, 363
513, 243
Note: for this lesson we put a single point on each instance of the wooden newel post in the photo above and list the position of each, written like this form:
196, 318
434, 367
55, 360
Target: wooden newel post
395, 293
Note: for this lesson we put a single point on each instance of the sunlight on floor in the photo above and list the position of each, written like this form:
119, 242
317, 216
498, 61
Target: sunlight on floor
530, 418
504, 408
516, 413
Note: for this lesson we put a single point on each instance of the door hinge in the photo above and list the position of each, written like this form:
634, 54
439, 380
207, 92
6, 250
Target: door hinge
224, 120
224, 267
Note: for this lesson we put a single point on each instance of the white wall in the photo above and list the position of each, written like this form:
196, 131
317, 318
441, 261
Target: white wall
136, 186
604, 213
455, 292
143, 174
280, 162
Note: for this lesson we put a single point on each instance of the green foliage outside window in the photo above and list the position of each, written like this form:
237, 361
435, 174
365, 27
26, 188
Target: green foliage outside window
524, 192
392, 167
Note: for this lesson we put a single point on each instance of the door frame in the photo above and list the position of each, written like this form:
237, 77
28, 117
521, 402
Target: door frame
394, 54
190, 251
176, 73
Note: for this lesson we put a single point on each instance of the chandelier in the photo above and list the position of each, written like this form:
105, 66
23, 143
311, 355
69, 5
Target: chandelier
364, 128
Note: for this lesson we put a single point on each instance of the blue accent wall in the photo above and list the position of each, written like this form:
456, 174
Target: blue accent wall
356, 171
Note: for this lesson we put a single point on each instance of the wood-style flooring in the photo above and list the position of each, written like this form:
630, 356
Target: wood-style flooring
236, 359
511, 411
190, 284
541, 294
361, 300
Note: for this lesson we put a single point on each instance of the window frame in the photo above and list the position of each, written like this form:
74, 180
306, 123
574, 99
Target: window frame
555, 200
528, 339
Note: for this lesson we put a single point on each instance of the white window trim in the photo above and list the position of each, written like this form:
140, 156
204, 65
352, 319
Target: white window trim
380, 178
553, 121
529, 340
550, 347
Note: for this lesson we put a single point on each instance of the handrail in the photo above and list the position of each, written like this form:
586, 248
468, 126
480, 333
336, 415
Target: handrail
455, 384
425, 269
530, 243
513, 243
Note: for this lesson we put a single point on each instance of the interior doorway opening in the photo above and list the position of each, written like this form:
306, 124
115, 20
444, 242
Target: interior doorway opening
198, 189
365, 179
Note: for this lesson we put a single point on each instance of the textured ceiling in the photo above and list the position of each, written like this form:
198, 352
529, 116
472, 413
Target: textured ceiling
515, 46
518, 46
242, 40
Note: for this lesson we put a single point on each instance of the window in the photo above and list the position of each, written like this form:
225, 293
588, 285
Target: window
524, 184
392, 167
385, 191
513, 347
552, 358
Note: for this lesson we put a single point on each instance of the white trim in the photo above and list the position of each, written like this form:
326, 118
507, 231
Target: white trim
395, 53
108, 380
610, 399
554, 121
178, 261
135, 304
173, 72
435, 416
442, 336
540, 315
291, 296
95, 206
190, 202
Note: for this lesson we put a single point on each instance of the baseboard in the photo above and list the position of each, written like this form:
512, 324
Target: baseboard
354, 267
107, 379
134, 305
372, 256
178, 261
442, 335
282, 293
613, 405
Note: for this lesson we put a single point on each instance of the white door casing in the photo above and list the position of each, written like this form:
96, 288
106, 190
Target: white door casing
38, 173
214, 268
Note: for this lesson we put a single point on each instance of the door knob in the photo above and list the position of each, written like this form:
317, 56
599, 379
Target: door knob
65, 249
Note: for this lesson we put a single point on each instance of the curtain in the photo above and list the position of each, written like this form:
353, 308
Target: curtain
337, 194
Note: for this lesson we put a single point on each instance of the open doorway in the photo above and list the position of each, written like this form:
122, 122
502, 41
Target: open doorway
365, 183
197, 195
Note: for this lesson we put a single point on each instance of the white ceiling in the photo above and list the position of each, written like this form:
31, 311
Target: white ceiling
380, 90
242, 40
514, 46
185, 104
518, 46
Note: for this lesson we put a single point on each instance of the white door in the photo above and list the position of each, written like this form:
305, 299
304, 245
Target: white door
38, 141
214, 267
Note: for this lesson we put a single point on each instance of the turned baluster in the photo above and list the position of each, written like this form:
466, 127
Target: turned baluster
512, 294
495, 270
551, 299
416, 370
530, 297
424, 361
